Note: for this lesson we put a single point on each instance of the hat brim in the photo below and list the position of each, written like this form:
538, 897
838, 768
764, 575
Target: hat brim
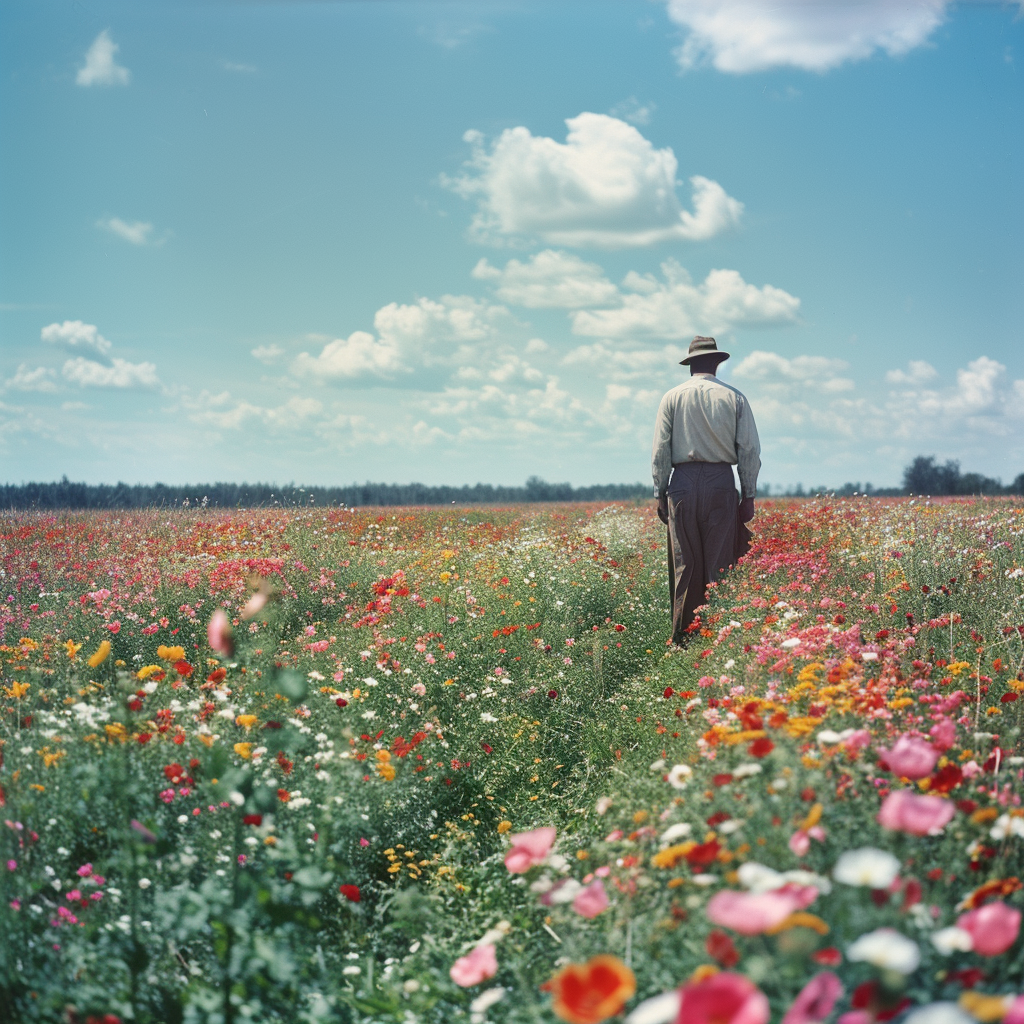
722, 356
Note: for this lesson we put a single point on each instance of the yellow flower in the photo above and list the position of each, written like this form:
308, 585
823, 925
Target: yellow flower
243, 750
800, 919
116, 731
386, 771
445, 576
100, 655
672, 855
983, 1007
246, 721
72, 648
504, 826
171, 653
17, 690
147, 670
383, 755
28, 644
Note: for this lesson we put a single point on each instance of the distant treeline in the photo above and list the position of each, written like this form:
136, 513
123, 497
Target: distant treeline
66, 494
922, 476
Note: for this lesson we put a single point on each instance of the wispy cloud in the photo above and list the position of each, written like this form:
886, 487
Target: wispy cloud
267, 354
100, 67
633, 111
39, 379
119, 374
138, 232
239, 69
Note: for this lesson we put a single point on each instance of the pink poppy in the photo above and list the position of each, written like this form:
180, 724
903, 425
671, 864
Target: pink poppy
724, 998
910, 757
1015, 1014
529, 848
904, 811
218, 633
750, 913
474, 967
592, 900
815, 1001
993, 928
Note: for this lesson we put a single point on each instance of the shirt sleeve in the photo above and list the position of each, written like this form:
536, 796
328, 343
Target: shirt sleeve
661, 455
748, 450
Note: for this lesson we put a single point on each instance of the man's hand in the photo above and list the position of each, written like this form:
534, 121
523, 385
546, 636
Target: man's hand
746, 510
663, 508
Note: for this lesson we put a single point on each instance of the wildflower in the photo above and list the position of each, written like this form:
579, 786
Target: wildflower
723, 998
475, 967
350, 892
679, 775
144, 883
529, 848
938, 1013
218, 634
170, 653
866, 866
72, 648
1008, 825
722, 949
993, 928
750, 913
100, 655
246, 721
910, 757
815, 1001
592, 992
243, 750
657, 1010
952, 940
886, 949
904, 811
592, 900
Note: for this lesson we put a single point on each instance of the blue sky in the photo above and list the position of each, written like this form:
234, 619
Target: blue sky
454, 243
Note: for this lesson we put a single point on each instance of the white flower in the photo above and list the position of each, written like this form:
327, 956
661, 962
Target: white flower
674, 832
487, 999
791, 642
144, 883
869, 656
182, 819
658, 766
369, 715
705, 880
656, 1010
952, 940
867, 866
728, 827
887, 949
486, 716
603, 805
938, 1013
742, 771
351, 969
1006, 826
678, 775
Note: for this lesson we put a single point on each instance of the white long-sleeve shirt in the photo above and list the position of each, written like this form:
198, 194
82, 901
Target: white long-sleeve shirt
706, 420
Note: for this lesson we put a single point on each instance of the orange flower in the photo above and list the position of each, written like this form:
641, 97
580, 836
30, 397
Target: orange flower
170, 653
100, 655
591, 992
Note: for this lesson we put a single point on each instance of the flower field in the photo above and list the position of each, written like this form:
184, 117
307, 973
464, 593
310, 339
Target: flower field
440, 766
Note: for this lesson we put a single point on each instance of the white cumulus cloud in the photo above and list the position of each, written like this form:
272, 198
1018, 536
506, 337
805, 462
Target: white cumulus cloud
605, 186
917, 372
675, 307
770, 368
75, 334
549, 280
119, 374
741, 36
138, 232
267, 354
407, 336
100, 67
39, 379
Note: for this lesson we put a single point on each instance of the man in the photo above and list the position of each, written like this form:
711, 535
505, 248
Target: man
704, 428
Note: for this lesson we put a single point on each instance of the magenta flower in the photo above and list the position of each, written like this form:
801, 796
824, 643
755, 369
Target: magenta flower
1015, 1014
724, 998
12, 865
993, 928
910, 757
529, 848
592, 900
904, 811
474, 967
84, 871
750, 913
218, 633
815, 1001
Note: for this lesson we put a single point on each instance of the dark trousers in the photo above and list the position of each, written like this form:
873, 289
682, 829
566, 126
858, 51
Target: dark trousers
703, 509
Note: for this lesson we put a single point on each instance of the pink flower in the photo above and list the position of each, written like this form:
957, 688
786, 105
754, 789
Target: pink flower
474, 967
84, 871
800, 841
529, 848
419, 689
910, 757
218, 633
993, 928
592, 900
943, 733
12, 865
723, 998
815, 1001
904, 811
857, 740
1015, 1014
856, 1017
751, 913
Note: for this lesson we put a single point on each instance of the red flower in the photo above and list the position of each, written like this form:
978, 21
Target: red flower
252, 819
946, 779
829, 956
1008, 698
722, 780
350, 892
553, 694
173, 771
183, 668
668, 692
704, 854
144, 737
721, 948
761, 747
217, 675
341, 702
